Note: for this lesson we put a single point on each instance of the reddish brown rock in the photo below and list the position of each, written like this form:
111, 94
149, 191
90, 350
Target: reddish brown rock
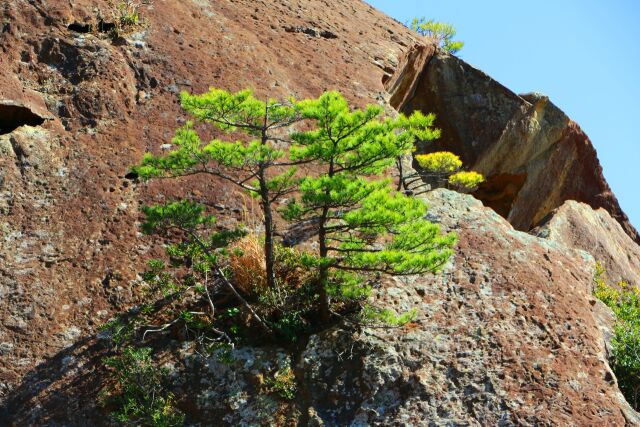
506, 335
577, 225
533, 155
509, 334
70, 247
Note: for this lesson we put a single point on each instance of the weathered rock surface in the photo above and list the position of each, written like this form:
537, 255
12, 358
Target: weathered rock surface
70, 247
577, 225
509, 334
533, 156
506, 336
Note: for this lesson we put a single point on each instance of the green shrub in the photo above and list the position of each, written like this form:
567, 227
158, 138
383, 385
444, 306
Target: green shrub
466, 180
624, 300
388, 317
125, 15
441, 33
283, 383
441, 162
139, 394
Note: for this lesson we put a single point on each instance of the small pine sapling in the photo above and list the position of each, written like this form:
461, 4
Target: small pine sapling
441, 33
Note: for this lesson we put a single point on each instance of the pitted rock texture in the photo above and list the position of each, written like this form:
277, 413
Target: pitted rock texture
70, 247
509, 334
577, 225
533, 156
506, 335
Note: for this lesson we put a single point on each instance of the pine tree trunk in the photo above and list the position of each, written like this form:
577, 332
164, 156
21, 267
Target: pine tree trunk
269, 255
324, 271
266, 208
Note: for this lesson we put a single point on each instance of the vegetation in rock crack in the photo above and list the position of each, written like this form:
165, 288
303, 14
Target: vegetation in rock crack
364, 228
139, 393
283, 382
443, 168
125, 18
624, 300
441, 33
437, 170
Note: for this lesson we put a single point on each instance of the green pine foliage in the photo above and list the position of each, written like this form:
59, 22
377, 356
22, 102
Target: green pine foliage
624, 300
440, 32
363, 225
364, 228
140, 394
256, 163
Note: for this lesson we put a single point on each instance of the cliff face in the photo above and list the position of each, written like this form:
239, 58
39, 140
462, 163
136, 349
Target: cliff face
533, 156
85, 108
509, 334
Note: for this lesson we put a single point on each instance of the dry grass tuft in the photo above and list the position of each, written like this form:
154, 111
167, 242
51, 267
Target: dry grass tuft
247, 265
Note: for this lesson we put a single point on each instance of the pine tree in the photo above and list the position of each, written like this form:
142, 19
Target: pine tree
363, 225
258, 164
441, 33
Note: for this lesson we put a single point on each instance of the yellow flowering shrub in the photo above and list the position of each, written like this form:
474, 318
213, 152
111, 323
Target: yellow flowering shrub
440, 162
466, 180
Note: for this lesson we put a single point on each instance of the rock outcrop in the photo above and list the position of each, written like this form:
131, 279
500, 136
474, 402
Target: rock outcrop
70, 247
533, 156
509, 334
504, 337
577, 225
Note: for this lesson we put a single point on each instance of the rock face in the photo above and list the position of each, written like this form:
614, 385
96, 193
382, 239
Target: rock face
577, 225
533, 156
506, 336
78, 109
509, 334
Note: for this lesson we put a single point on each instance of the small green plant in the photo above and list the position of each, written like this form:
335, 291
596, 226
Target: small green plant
140, 394
440, 162
388, 317
120, 329
443, 168
624, 300
125, 17
283, 383
441, 33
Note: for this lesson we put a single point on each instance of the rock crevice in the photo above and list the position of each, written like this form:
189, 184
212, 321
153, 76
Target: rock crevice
13, 115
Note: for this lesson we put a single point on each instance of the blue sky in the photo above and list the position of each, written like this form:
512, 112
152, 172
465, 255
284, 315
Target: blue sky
583, 54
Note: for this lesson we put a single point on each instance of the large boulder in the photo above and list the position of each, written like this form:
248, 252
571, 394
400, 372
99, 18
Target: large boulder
533, 156
577, 225
509, 334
